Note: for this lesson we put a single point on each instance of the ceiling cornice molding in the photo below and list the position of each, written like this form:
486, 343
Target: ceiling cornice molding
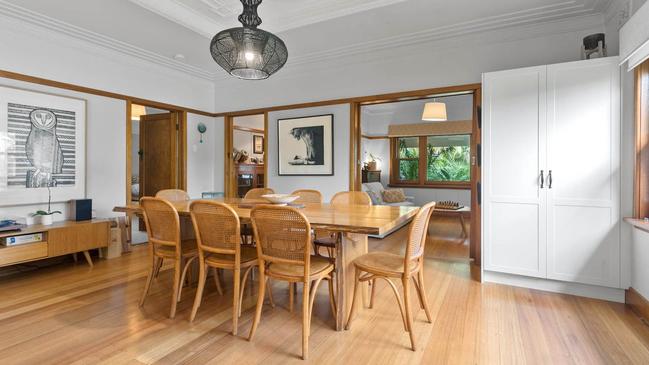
535, 16
43, 21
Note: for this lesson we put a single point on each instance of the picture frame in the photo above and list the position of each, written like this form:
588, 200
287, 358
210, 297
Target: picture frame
306, 146
42, 147
257, 144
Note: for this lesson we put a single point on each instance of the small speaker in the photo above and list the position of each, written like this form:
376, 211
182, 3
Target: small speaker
80, 209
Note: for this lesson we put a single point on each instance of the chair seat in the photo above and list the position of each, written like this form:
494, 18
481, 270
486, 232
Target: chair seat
319, 266
248, 257
325, 241
188, 249
383, 263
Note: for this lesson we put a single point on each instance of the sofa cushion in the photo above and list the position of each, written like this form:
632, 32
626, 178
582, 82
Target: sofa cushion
375, 197
394, 196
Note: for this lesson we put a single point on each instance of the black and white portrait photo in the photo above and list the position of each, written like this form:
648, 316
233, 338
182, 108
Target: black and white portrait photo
306, 145
43, 146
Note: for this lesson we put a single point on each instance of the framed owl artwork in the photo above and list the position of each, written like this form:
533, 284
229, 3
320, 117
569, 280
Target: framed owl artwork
42, 147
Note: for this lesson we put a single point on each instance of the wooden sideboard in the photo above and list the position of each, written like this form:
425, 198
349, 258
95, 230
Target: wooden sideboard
249, 176
60, 238
369, 176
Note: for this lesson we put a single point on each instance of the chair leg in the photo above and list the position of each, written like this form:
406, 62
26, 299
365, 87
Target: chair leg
332, 298
235, 300
260, 304
306, 316
372, 292
158, 267
399, 302
243, 286
215, 273
202, 278
421, 301
176, 289
270, 291
149, 279
291, 296
406, 304
184, 274
422, 295
352, 310
313, 291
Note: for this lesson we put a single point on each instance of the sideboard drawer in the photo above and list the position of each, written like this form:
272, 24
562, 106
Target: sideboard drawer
27, 252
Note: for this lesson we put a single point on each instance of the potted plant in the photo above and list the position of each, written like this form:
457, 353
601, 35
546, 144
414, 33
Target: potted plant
45, 217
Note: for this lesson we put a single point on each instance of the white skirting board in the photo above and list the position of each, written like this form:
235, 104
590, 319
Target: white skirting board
582, 290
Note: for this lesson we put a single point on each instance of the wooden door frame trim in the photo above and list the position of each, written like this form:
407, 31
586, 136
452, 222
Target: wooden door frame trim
93, 91
181, 144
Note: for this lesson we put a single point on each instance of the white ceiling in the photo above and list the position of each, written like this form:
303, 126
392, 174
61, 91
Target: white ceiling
312, 29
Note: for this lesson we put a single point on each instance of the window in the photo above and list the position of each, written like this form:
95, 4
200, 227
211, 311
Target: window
446, 161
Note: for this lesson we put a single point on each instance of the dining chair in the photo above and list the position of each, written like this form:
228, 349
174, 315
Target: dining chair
384, 265
173, 195
307, 196
246, 229
256, 193
163, 230
283, 236
328, 239
219, 247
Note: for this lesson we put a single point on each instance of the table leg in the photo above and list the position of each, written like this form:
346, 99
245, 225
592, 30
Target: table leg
349, 247
464, 233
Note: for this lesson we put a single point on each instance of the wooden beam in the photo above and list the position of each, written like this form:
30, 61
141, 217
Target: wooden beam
371, 99
107, 94
247, 129
374, 137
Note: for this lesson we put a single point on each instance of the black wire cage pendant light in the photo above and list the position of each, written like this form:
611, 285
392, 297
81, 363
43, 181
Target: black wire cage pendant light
247, 52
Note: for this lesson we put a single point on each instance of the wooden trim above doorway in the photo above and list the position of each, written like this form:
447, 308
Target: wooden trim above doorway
247, 129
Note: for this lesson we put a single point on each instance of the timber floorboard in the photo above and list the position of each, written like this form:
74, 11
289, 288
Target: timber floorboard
69, 313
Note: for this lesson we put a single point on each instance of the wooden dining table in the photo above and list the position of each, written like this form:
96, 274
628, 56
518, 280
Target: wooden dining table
354, 222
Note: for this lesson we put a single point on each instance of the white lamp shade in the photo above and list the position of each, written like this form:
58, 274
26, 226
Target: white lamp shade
434, 112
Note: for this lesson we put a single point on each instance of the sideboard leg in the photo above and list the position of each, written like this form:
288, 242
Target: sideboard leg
86, 254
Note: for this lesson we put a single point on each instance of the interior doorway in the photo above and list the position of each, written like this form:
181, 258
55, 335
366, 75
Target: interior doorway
246, 147
426, 144
155, 154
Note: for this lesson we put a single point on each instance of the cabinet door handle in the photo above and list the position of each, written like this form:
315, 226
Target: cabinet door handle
542, 179
549, 179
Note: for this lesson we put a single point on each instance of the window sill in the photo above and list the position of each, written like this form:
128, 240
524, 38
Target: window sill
450, 185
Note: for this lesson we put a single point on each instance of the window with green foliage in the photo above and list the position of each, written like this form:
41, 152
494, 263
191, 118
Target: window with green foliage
446, 160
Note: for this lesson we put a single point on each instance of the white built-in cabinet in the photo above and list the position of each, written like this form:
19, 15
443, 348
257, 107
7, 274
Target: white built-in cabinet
551, 180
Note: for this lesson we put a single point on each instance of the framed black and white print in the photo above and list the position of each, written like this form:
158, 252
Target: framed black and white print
257, 144
306, 145
42, 145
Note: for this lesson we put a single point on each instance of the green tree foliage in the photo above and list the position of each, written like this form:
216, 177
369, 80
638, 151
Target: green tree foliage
448, 163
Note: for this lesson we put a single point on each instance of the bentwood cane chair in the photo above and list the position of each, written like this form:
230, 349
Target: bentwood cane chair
384, 265
246, 229
163, 230
172, 195
219, 247
308, 196
328, 239
283, 236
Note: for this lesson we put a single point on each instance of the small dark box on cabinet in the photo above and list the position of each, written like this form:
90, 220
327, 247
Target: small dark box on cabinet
80, 209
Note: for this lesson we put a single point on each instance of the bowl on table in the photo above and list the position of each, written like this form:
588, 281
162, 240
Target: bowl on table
280, 198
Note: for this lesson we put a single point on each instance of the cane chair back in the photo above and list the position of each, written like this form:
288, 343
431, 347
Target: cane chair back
417, 234
162, 222
256, 193
217, 227
283, 235
308, 196
351, 198
173, 195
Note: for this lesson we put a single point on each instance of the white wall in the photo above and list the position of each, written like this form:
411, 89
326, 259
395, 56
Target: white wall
327, 185
105, 153
201, 157
43, 53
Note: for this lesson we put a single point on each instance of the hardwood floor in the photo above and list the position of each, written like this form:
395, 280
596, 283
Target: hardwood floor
73, 314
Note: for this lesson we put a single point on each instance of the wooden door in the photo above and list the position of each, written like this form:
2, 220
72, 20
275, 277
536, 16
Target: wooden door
584, 157
159, 153
514, 152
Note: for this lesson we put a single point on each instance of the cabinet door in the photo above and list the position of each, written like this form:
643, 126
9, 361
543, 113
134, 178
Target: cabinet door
514, 152
583, 155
